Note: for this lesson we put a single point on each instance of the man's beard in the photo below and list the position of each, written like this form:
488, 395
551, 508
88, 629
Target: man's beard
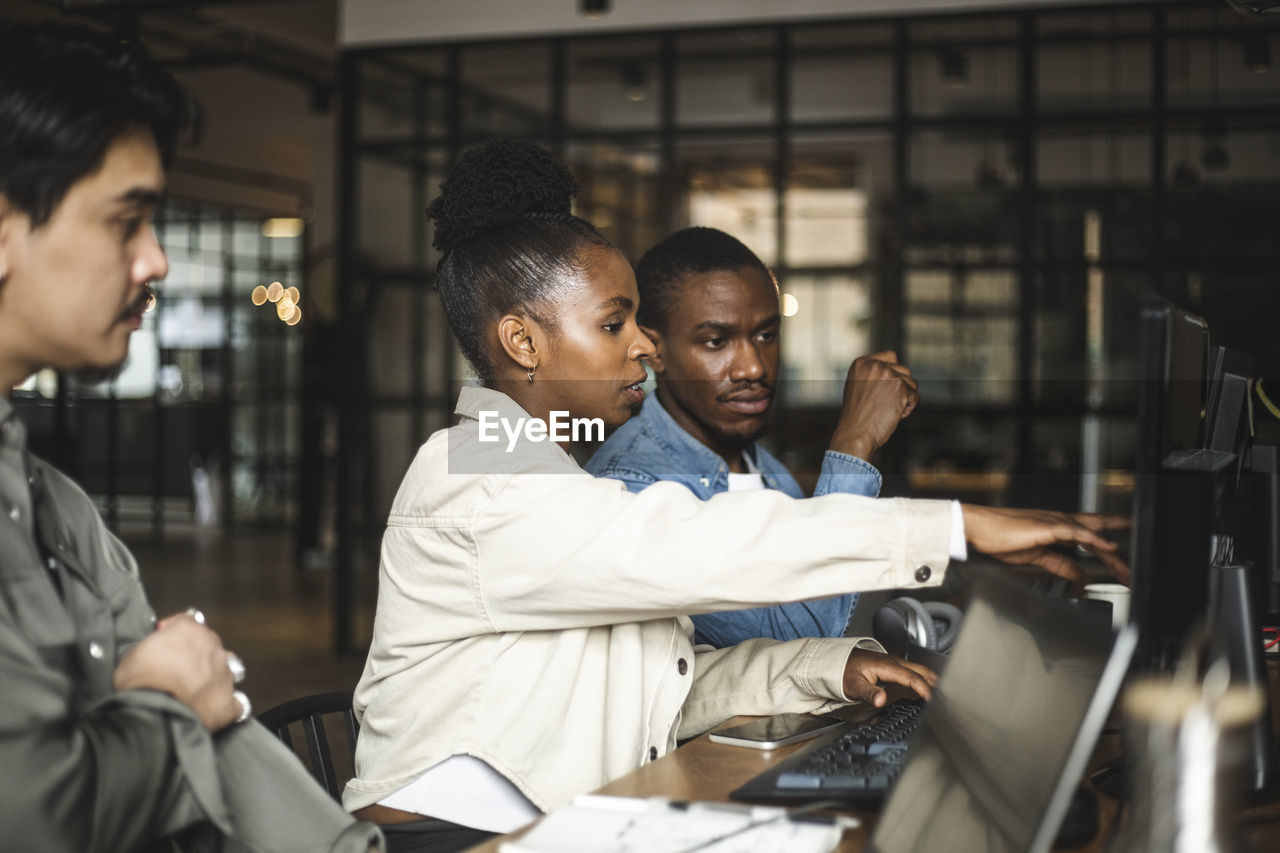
99, 375
739, 439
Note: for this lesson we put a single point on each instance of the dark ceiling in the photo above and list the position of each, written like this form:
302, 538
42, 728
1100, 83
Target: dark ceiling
292, 39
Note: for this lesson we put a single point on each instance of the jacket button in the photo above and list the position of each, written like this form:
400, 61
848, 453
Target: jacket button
923, 574
95, 651
653, 753
682, 666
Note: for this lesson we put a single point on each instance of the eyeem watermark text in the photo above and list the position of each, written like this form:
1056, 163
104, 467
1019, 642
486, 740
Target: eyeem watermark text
560, 428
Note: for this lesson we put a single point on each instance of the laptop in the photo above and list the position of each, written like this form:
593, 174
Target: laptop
1000, 749
1010, 729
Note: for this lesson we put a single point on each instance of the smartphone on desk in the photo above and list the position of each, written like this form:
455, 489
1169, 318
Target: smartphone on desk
772, 732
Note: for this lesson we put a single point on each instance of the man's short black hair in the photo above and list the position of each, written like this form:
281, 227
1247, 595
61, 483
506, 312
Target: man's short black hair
688, 252
66, 94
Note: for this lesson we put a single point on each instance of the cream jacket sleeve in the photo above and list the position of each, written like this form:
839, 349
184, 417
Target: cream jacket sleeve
556, 551
671, 553
764, 676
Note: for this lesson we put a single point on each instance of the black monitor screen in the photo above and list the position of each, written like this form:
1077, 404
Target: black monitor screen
1186, 354
1173, 506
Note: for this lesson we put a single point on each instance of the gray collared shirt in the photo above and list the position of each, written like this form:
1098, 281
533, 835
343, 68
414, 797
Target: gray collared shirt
85, 768
81, 766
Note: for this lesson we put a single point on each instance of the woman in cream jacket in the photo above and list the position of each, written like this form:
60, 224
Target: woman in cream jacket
531, 639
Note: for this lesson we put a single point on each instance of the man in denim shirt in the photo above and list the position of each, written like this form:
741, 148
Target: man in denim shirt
711, 307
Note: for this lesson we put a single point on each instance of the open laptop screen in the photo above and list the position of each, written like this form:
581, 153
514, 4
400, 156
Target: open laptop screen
1010, 726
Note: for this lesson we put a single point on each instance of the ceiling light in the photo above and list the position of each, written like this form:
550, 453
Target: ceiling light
1185, 175
321, 100
283, 226
954, 66
1257, 53
635, 84
989, 176
1215, 157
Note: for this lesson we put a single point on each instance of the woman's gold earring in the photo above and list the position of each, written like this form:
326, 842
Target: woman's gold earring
531, 374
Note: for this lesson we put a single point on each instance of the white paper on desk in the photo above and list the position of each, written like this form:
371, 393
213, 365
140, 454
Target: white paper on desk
600, 824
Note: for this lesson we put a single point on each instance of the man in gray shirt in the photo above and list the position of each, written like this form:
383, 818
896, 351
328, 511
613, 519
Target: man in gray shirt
117, 732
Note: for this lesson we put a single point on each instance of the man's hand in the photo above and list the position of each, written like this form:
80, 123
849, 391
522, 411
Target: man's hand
1024, 537
865, 669
878, 393
186, 660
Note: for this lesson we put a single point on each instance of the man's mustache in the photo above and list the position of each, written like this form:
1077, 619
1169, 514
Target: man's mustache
748, 390
140, 303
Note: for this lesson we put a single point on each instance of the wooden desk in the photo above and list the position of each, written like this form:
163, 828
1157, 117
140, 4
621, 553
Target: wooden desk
702, 770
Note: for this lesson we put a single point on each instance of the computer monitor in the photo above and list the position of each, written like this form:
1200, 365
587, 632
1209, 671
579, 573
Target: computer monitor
1246, 527
1244, 514
1249, 496
1174, 485
1196, 512
1226, 411
1262, 545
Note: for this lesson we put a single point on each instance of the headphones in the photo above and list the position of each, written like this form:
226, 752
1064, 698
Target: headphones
905, 620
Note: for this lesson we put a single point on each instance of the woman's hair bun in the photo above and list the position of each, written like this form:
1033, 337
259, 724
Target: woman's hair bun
497, 183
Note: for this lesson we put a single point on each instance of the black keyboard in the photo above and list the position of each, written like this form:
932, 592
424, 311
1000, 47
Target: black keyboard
860, 762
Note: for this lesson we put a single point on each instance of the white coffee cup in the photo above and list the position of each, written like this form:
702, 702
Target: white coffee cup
1117, 594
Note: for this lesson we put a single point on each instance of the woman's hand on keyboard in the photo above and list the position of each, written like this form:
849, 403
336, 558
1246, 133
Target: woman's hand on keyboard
865, 669
1025, 537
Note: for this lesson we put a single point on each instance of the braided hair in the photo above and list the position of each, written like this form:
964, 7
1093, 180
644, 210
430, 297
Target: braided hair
688, 252
509, 241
